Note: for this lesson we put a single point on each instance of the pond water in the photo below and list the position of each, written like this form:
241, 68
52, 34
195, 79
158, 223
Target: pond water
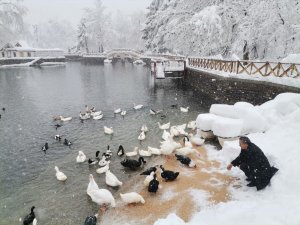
32, 96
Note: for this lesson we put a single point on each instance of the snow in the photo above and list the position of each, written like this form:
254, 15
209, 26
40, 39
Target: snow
292, 58
220, 127
277, 204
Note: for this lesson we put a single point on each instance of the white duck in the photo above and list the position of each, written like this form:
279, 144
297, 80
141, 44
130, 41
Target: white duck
133, 153
154, 151
123, 113
142, 136
144, 128
165, 135
132, 197
84, 116
117, 111
111, 179
165, 126
60, 175
65, 119
103, 169
99, 196
136, 107
149, 178
144, 153
182, 109
167, 147
108, 130
81, 157
98, 117
96, 113
186, 151
196, 140
192, 125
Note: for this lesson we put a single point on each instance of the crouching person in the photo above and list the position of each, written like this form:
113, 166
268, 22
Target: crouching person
253, 162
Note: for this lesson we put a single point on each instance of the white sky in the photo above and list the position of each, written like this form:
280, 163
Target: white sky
71, 10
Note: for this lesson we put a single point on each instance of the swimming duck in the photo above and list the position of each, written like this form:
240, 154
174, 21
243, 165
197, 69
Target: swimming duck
168, 175
111, 179
99, 196
165, 126
91, 220
182, 109
123, 113
133, 153
149, 178
84, 116
95, 114
99, 117
144, 153
133, 164
108, 130
3, 109
153, 185
81, 157
142, 136
103, 161
148, 171
108, 153
185, 160
154, 151
121, 151
60, 175
136, 107
45, 147
28, 219
117, 111
65, 119
103, 169
57, 126
92, 162
57, 137
132, 197
67, 142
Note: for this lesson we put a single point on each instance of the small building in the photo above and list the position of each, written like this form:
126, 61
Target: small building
22, 50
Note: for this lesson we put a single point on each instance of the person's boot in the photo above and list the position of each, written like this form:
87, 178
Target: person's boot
252, 184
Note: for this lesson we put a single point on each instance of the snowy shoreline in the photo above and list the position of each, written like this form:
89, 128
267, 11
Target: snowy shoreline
278, 202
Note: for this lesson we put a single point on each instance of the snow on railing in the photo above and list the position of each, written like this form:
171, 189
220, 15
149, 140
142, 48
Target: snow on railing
277, 69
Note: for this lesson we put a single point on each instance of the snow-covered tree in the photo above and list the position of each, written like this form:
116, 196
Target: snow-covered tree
82, 38
11, 20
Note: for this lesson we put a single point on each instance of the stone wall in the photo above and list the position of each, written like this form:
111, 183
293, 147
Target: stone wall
227, 90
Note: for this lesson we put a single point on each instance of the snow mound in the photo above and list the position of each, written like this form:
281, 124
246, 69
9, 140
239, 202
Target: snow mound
292, 58
227, 127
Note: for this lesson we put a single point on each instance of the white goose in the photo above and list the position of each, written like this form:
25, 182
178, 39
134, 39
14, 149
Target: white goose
117, 111
108, 130
186, 151
154, 151
60, 175
144, 153
133, 153
165, 126
165, 135
142, 136
123, 113
99, 196
132, 197
182, 109
136, 107
149, 178
81, 157
192, 125
103, 169
65, 119
111, 179
144, 128
98, 117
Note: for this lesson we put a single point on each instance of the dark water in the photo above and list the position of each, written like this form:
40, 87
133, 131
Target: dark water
32, 96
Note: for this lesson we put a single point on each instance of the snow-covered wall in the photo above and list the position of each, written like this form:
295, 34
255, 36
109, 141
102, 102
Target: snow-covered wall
265, 29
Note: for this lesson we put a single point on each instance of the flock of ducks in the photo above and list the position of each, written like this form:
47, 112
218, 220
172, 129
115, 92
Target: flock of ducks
104, 197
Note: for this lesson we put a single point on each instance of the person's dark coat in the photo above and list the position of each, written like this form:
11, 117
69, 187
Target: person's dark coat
255, 165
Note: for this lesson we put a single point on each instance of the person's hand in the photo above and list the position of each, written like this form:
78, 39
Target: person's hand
229, 167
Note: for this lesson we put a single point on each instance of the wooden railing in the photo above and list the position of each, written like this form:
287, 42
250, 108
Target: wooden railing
277, 69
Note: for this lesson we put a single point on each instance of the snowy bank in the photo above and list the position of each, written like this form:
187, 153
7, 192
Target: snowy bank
277, 203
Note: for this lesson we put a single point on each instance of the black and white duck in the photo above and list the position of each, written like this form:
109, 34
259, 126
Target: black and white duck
153, 185
28, 219
121, 151
91, 220
186, 160
168, 175
133, 164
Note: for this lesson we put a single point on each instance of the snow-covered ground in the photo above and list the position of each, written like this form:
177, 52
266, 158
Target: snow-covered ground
278, 203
